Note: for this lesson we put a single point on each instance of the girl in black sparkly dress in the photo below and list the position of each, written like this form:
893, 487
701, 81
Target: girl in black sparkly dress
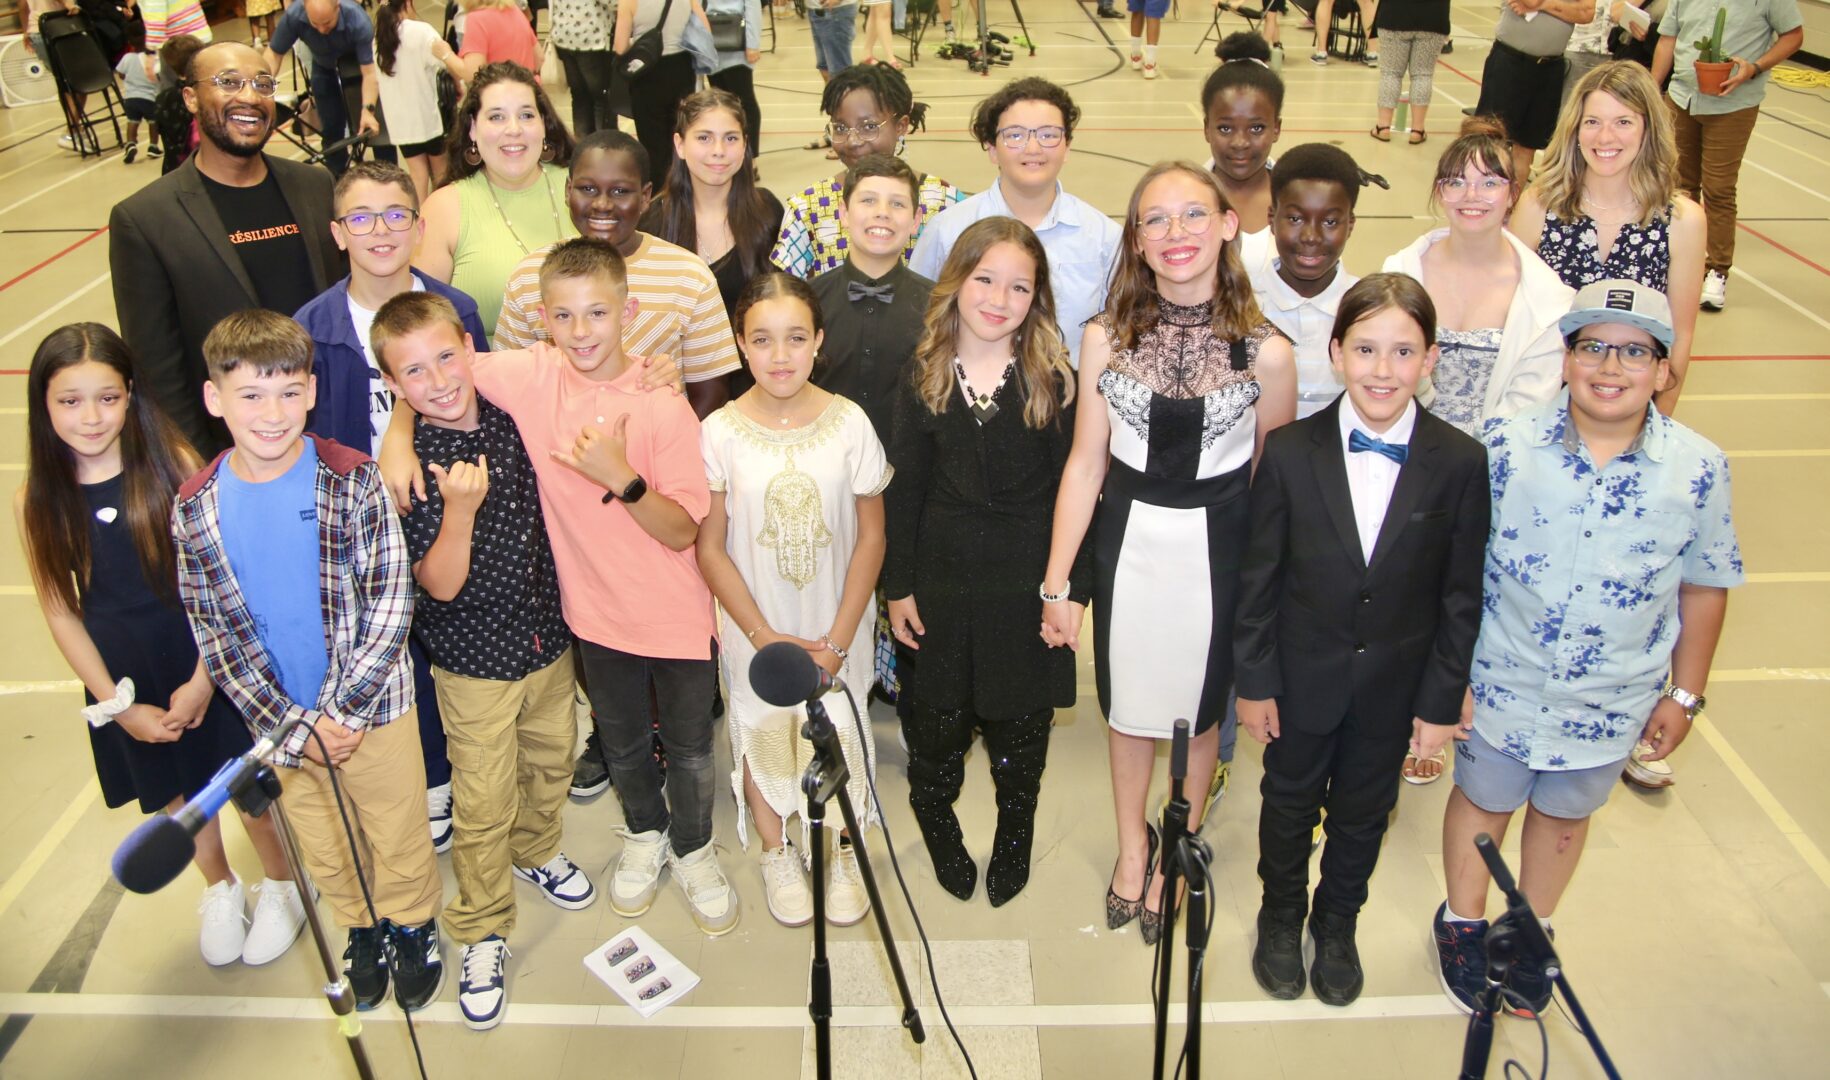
982, 430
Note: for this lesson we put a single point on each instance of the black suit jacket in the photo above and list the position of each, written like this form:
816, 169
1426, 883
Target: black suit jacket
1328, 633
176, 275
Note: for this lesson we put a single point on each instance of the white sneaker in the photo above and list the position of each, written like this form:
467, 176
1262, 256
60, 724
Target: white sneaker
638, 871
785, 884
438, 814
708, 893
482, 987
1149, 71
225, 922
278, 917
562, 882
846, 900
1715, 290
1137, 61
1648, 774
66, 142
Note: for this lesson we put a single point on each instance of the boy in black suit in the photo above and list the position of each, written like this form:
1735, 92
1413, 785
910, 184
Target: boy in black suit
1358, 610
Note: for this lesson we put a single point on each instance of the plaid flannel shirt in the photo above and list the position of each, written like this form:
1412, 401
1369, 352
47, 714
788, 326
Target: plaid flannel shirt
365, 588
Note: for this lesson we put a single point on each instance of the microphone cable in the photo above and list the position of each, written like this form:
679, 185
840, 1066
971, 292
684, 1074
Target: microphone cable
368, 899
889, 845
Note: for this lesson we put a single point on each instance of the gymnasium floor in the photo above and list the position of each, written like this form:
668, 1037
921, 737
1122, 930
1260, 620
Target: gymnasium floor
1697, 931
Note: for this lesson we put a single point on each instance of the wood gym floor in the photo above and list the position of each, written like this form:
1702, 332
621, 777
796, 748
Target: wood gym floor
1697, 931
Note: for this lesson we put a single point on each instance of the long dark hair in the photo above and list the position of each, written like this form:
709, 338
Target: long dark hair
745, 209
387, 33
155, 460
557, 149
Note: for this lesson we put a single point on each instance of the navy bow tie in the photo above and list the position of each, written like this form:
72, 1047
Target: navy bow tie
1358, 441
858, 290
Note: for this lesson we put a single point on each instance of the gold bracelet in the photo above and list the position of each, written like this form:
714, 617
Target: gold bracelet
752, 634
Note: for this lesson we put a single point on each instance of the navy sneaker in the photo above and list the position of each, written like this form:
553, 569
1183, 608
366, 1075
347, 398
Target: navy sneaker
366, 966
419, 970
1461, 957
482, 991
1528, 986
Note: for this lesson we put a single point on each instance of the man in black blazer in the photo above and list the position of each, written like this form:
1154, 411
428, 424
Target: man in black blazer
232, 228
1360, 601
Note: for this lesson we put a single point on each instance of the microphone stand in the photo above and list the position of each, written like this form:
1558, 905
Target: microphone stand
825, 777
1517, 936
1175, 831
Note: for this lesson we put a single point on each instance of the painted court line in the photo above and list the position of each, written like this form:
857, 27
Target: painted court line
47, 845
1763, 287
1768, 803
1738, 454
67, 301
1800, 577
1770, 674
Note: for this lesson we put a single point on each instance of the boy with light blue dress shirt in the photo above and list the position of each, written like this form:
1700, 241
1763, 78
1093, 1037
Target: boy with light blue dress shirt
1026, 129
1608, 566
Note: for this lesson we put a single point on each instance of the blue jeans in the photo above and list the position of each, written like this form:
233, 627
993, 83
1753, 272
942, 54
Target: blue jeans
623, 688
833, 30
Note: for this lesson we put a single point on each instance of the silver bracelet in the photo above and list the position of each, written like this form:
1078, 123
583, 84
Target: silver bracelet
1054, 598
826, 640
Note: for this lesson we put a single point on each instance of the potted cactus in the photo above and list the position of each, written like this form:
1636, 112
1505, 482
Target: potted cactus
1712, 65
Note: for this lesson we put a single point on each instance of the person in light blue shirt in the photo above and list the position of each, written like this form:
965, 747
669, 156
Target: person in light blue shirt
1026, 129
1609, 559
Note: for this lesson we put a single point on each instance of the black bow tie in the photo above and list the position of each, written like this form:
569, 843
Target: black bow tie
858, 290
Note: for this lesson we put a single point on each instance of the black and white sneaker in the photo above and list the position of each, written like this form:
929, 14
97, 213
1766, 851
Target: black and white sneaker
152, 150
482, 989
419, 970
590, 776
562, 882
133, 149
365, 964
438, 816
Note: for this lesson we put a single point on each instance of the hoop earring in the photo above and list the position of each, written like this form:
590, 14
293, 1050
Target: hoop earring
473, 156
548, 151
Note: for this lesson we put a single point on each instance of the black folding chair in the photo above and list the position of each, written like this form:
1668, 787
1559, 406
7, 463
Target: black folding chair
79, 67
1251, 15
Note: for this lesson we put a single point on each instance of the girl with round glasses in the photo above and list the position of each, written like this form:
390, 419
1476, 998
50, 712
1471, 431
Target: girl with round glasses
870, 109
1497, 304
1192, 378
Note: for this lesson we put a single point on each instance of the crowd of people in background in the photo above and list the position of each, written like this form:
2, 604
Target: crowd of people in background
401, 458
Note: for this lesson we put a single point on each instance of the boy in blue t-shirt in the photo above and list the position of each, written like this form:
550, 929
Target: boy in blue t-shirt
139, 75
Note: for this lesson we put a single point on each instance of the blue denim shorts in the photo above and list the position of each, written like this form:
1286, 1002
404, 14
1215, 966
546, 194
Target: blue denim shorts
1500, 784
1149, 9
833, 30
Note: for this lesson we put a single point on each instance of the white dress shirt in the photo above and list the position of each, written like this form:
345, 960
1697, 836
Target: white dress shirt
1308, 321
1371, 476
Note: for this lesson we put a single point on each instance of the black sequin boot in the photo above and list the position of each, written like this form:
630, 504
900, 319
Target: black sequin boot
938, 742
1018, 749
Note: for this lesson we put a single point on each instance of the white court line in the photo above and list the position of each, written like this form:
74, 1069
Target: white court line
61, 686
1733, 454
1726, 397
1763, 796
46, 190
1813, 192
1773, 674
1757, 283
1794, 578
47, 844
52, 310
197, 1006
1789, 146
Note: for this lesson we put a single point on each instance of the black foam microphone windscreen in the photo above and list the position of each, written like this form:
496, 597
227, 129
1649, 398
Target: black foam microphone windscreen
155, 854
783, 674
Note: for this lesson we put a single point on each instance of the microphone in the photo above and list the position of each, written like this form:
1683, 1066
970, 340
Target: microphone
154, 854
783, 674
1178, 752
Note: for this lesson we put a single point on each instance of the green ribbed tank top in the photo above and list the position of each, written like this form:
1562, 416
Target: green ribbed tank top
487, 250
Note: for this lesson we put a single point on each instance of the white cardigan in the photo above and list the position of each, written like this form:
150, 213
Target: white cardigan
1529, 369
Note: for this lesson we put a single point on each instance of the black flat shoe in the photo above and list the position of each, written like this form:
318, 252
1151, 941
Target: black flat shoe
1120, 911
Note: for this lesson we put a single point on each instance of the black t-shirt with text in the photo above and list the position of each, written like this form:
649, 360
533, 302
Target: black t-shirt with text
264, 231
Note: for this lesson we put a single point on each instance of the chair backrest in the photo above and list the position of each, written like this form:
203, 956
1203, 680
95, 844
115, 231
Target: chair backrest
78, 62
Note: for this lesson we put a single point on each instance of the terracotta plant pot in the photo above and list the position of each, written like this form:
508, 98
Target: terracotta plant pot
1711, 76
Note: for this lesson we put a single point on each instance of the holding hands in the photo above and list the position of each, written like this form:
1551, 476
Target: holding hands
1061, 621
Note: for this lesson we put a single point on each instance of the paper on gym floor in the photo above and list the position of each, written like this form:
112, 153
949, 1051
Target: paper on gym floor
642, 973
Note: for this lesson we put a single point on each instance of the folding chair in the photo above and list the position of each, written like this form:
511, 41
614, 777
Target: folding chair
1252, 16
79, 67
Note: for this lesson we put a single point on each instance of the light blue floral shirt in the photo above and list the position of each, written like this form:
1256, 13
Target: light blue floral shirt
1582, 574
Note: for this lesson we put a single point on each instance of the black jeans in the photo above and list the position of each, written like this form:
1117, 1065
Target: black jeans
622, 687
653, 101
741, 81
589, 75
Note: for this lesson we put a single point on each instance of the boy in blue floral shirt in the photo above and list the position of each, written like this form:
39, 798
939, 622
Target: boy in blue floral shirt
1608, 566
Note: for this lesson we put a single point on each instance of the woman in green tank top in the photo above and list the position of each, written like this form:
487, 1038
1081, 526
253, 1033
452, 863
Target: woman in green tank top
504, 191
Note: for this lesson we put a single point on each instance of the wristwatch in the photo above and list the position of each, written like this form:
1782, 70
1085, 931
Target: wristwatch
633, 493
1692, 703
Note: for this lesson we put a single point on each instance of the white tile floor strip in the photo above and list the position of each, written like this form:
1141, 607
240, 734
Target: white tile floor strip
1769, 803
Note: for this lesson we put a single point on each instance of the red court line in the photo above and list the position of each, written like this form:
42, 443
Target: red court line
1458, 71
1769, 240
54, 258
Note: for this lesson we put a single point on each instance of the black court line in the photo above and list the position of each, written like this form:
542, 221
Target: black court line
69, 965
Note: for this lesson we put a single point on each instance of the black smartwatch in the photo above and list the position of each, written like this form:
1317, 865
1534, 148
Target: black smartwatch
633, 493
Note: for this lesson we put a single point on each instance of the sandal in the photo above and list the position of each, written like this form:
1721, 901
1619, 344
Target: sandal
1418, 136
1382, 132
1414, 765
1120, 911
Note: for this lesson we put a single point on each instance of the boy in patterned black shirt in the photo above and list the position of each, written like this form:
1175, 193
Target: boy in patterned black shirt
489, 617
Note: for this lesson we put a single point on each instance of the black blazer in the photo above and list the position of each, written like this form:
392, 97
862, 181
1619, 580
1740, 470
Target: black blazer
176, 276
1326, 633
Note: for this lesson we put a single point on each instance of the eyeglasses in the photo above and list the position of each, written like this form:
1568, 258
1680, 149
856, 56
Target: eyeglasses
1456, 188
364, 222
231, 84
1195, 222
1016, 137
1635, 357
863, 133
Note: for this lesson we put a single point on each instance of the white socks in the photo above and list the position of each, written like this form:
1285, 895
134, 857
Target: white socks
1137, 46
1150, 55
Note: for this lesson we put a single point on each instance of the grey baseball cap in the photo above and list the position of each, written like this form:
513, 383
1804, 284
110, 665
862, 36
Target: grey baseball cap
1620, 302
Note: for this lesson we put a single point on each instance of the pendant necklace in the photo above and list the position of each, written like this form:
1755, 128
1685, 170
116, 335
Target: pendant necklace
509, 225
983, 407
